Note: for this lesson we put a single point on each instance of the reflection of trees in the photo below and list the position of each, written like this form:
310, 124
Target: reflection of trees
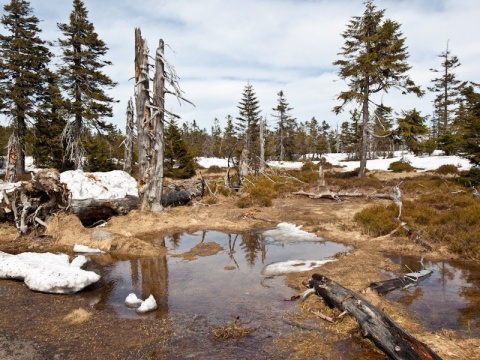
252, 243
470, 292
175, 240
231, 248
155, 282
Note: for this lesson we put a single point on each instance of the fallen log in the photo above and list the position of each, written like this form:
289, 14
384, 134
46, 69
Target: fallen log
401, 282
338, 196
374, 323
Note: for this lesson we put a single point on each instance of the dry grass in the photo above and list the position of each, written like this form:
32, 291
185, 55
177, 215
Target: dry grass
232, 330
78, 316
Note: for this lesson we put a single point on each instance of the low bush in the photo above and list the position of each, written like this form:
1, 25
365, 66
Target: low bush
214, 169
401, 166
377, 220
470, 178
447, 169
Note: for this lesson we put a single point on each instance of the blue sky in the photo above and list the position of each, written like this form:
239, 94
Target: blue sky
218, 46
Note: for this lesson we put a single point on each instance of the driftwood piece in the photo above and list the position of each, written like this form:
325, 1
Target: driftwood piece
337, 196
374, 323
181, 197
401, 282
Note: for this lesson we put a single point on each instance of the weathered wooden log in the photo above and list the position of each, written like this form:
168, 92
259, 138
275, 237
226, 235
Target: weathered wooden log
401, 282
180, 197
91, 210
337, 196
374, 323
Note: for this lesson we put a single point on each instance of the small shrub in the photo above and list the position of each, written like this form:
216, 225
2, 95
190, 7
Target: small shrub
225, 191
214, 169
210, 200
244, 202
377, 220
470, 178
310, 166
447, 169
401, 166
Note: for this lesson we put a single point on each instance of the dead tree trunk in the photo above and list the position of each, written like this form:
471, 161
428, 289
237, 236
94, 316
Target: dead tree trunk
141, 101
262, 146
12, 155
374, 323
152, 197
129, 135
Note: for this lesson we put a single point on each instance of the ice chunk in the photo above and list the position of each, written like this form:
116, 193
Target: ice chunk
86, 249
133, 301
290, 232
148, 305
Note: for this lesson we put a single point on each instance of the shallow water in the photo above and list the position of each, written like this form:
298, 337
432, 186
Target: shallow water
221, 286
447, 299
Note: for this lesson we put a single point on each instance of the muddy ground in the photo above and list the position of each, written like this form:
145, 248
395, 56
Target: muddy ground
37, 326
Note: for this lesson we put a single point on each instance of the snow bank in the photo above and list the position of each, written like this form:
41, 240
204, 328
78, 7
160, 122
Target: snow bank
286, 232
115, 184
286, 267
47, 272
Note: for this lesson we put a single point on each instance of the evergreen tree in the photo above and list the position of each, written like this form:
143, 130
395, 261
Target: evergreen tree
48, 145
248, 121
412, 128
24, 58
312, 138
469, 123
285, 127
82, 79
448, 88
229, 140
374, 60
179, 162
104, 149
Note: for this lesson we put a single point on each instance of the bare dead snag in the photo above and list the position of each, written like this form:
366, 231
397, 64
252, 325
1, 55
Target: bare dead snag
374, 323
129, 136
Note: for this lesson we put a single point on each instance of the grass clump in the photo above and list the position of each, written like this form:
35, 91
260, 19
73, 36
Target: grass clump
401, 166
214, 169
377, 220
447, 169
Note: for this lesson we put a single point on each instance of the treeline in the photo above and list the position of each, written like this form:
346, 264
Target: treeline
56, 114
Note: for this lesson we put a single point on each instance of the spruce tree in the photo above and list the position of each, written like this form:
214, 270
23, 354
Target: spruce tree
285, 128
24, 59
447, 89
48, 145
83, 81
179, 162
247, 125
469, 123
411, 128
374, 60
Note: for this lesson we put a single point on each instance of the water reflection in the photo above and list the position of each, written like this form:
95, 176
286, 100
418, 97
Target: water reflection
219, 286
449, 298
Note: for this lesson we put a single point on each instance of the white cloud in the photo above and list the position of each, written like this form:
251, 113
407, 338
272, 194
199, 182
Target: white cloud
284, 45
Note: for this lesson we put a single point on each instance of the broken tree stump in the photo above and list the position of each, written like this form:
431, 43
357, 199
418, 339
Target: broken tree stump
374, 323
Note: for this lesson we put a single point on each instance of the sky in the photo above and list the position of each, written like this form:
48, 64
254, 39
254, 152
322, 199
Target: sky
219, 46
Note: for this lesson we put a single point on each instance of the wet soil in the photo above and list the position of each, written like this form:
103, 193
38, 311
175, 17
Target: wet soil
35, 325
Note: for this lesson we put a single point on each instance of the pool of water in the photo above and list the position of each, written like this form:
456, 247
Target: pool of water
219, 287
448, 299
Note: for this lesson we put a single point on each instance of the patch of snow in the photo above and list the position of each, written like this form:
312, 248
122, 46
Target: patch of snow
133, 301
287, 232
115, 184
79, 261
425, 163
286, 267
148, 305
46, 272
86, 249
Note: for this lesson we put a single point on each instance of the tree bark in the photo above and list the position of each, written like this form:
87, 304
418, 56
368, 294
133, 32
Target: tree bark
141, 102
129, 135
402, 282
153, 179
374, 323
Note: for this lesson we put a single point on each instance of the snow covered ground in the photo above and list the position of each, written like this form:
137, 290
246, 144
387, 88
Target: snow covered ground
423, 163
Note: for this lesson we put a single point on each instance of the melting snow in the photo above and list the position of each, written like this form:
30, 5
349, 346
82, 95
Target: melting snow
289, 232
148, 305
133, 301
86, 249
115, 184
47, 272
285, 267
